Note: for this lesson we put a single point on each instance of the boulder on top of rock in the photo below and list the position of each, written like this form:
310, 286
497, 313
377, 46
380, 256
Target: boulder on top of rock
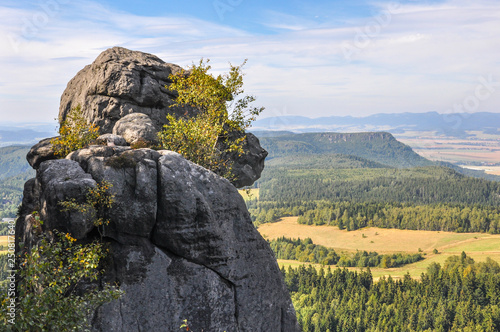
136, 128
41, 152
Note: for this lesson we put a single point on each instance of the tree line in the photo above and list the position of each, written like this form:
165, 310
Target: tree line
460, 296
435, 217
424, 185
306, 251
351, 216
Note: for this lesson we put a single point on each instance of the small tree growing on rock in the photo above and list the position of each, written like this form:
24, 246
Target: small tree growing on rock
57, 288
221, 110
49, 280
75, 133
98, 201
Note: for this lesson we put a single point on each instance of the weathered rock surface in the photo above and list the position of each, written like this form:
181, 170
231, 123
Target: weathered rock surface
162, 290
123, 92
133, 174
135, 128
62, 180
120, 82
40, 152
182, 242
249, 166
111, 140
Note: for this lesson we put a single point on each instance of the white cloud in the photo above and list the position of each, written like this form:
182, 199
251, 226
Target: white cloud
420, 58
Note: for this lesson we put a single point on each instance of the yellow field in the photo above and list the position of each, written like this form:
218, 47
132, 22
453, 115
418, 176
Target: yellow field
476, 245
481, 148
254, 194
487, 169
457, 155
4, 242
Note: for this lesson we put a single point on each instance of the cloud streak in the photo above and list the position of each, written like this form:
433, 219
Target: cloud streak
427, 57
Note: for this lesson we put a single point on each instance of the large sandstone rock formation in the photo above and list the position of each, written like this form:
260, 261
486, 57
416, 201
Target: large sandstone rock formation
182, 242
121, 83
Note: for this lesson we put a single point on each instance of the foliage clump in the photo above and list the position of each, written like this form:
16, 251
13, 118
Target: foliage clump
462, 295
57, 280
205, 137
49, 294
98, 201
75, 133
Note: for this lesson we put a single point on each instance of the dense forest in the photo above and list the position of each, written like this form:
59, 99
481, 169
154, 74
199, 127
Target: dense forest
14, 172
3, 268
460, 296
288, 149
379, 147
324, 161
423, 185
13, 161
306, 251
352, 192
4, 230
11, 193
435, 217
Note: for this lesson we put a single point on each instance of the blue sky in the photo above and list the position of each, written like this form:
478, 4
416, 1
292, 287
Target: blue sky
310, 58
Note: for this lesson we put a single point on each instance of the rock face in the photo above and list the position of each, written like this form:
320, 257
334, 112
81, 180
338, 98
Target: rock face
249, 166
123, 92
136, 127
120, 82
40, 152
182, 242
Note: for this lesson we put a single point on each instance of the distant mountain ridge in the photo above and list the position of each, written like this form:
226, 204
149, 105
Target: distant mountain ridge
377, 148
380, 147
451, 124
25, 133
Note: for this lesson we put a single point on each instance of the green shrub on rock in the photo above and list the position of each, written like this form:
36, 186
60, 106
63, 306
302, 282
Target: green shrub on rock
75, 133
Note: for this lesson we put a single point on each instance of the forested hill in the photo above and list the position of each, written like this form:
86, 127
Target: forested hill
337, 150
321, 161
423, 185
13, 161
379, 147
14, 171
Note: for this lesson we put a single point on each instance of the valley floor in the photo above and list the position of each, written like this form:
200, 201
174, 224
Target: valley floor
479, 246
481, 149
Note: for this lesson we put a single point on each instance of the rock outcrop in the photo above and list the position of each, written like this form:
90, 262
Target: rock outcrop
182, 244
123, 92
248, 167
120, 82
40, 152
136, 128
